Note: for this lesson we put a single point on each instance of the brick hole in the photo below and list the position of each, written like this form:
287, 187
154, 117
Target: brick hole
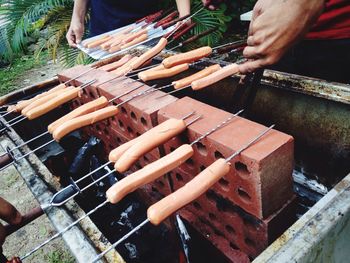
218, 155
138, 165
123, 110
223, 182
210, 196
249, 242
202, 149
138, 134
172, 149
145, 158
234, 246
143, 121
178, 177
242, 168
98, 128
133, 116
130, 130
91, 94
154, 189
160, 183
230, 229
121, 125
197, 206
119, 141
106, 131
202, 168
244, 195
190, 162
212, 216
218, 233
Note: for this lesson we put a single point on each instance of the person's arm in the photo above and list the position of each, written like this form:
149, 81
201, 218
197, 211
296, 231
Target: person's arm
76, 29
275, 27
184, 7
10, 214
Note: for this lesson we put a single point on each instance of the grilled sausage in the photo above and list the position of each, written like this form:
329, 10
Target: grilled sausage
131, 37
84, 120
44, 99
150, 53
187, 57
137, 40
116, 64
24, 103
215, 77
83, 109
98, 42
162, 73
124, 69
189, 192
178, 84
149, 173
151, 139
53, 103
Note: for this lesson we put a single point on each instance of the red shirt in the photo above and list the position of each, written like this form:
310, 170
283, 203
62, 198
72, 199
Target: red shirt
334, 23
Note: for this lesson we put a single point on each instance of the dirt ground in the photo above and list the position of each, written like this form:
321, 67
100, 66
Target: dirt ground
14, 189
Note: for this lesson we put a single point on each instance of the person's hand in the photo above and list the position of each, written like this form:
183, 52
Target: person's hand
276, 26
211, 4
75, 33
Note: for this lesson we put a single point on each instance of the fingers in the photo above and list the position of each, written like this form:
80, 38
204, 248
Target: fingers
71, 38
251, 66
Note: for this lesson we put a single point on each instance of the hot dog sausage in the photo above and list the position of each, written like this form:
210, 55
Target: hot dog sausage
98, 42
115, 154
24, 103
133, 36
159, 67
137, 40
149, 173
162, 73
151, 139
200, 74
187, 57
150, 53
87, 42
215, 77
44, 99
83, 109
84, 120
189, 192
124, 69
116, 64
53, 103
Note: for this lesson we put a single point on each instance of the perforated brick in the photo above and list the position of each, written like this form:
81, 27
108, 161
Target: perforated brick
260, 179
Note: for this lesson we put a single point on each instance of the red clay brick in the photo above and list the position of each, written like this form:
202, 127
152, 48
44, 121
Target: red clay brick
232, 253
239, 229
260, 180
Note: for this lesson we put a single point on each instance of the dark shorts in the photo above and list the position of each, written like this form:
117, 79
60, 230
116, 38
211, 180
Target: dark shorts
324, 59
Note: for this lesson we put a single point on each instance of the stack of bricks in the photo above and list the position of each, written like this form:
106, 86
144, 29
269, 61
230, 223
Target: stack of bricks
253, 203
134, 118
247, 208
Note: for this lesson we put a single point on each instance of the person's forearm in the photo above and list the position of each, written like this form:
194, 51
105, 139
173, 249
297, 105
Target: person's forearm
184, 7
79, 10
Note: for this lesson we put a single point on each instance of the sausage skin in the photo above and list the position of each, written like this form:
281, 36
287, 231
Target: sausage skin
150, 53
148, 173
116, 64
84, 120
86, 108
53, 103
188, 193
162, 73
215, 77
178, 84
187, 57
98, 42
123, 69
137, 40
151, 139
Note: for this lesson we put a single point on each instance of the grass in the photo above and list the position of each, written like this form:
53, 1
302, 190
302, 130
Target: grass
59, 257
9, 74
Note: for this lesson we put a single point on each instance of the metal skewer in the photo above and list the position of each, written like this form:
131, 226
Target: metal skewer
147, 220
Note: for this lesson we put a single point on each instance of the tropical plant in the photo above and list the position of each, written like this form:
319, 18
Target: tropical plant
52, 18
